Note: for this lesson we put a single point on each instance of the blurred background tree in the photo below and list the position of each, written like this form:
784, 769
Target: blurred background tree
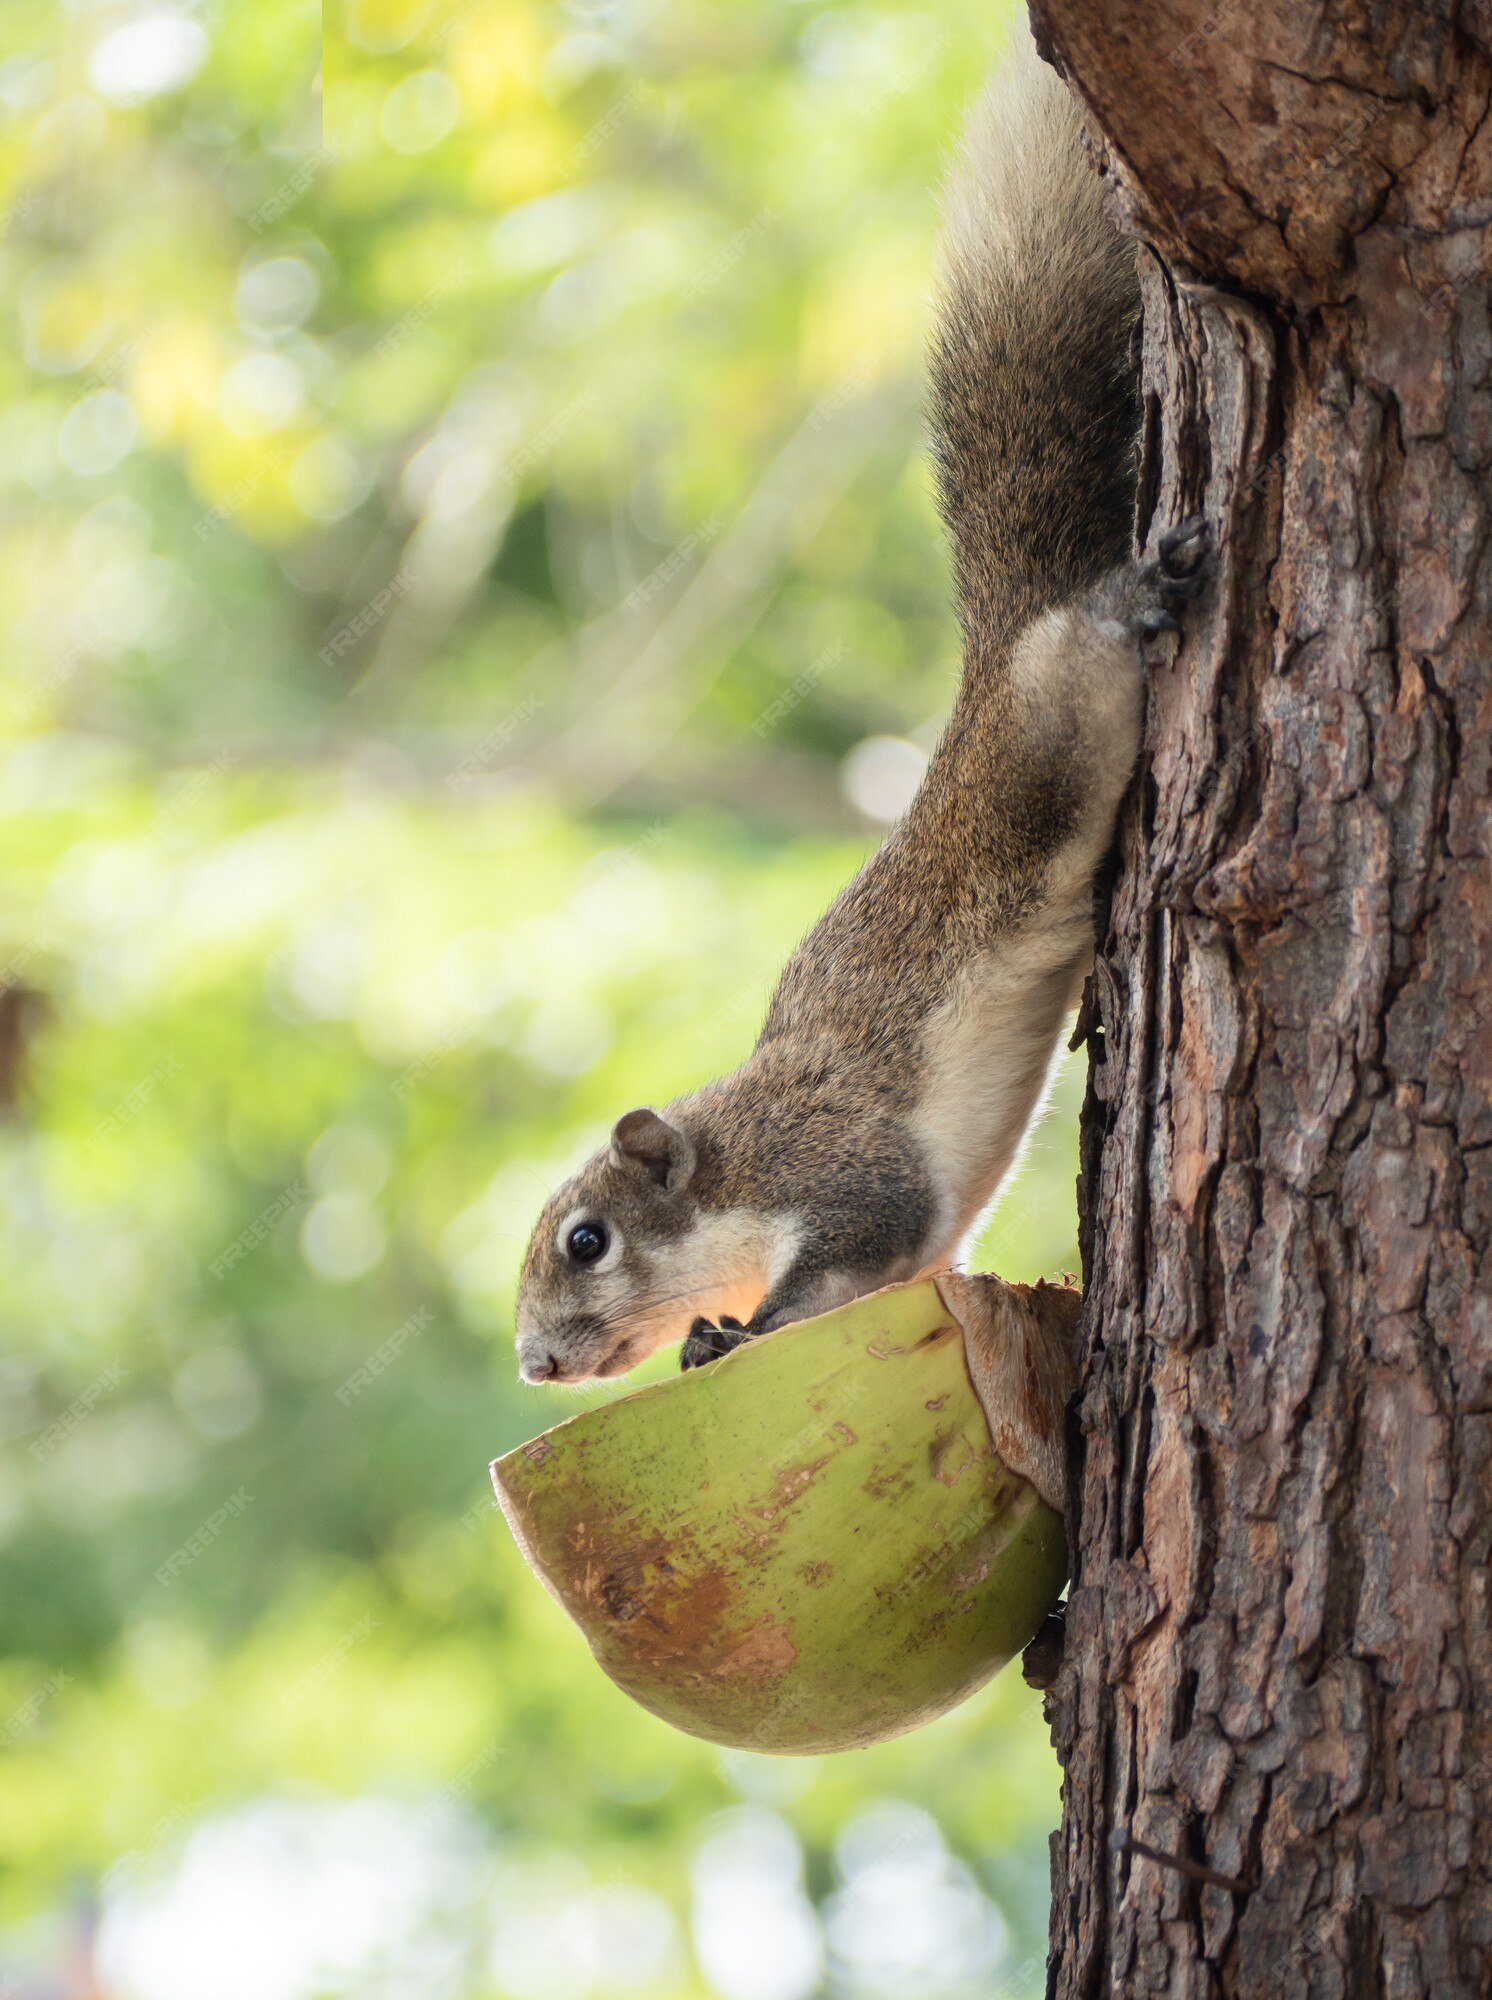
474, 596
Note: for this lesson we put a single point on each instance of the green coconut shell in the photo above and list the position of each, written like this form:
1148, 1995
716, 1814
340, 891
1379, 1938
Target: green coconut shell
812, 1544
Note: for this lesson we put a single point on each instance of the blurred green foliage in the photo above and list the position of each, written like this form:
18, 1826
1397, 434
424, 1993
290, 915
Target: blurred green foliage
454, 536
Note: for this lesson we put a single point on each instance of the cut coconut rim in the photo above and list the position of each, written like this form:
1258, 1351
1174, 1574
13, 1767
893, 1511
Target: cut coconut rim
828, 1536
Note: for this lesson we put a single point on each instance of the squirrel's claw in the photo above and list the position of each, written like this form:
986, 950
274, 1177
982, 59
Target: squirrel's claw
709, 1342
1158, 588
1183, 556
1157, 620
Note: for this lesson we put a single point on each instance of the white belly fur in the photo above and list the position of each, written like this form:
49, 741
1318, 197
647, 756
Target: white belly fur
987, 1054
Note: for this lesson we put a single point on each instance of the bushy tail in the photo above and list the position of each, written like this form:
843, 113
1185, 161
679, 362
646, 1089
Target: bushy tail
1034, 398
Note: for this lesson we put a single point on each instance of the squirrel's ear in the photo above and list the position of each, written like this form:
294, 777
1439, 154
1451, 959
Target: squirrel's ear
649, 1143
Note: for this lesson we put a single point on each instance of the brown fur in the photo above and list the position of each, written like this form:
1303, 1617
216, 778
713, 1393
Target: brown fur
810, 1166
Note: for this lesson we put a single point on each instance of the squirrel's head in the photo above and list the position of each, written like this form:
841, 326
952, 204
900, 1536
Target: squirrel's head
599, 1288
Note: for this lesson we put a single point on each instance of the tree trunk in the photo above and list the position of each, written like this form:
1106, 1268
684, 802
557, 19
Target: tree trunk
1275, 1711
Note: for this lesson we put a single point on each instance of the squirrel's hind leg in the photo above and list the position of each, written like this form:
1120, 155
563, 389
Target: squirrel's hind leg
1079, 675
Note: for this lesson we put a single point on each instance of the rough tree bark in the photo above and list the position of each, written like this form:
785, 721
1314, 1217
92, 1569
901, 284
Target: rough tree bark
1278, 1674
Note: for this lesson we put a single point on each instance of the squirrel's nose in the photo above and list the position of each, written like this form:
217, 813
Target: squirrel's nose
538, 1366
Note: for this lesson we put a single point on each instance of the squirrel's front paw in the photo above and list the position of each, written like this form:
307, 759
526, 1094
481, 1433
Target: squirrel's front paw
1176, 573
708, 1342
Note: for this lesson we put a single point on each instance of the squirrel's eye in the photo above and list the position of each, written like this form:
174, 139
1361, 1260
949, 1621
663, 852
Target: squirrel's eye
586, 1242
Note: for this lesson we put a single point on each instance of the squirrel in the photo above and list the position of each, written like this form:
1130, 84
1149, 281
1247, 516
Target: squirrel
907, 1045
